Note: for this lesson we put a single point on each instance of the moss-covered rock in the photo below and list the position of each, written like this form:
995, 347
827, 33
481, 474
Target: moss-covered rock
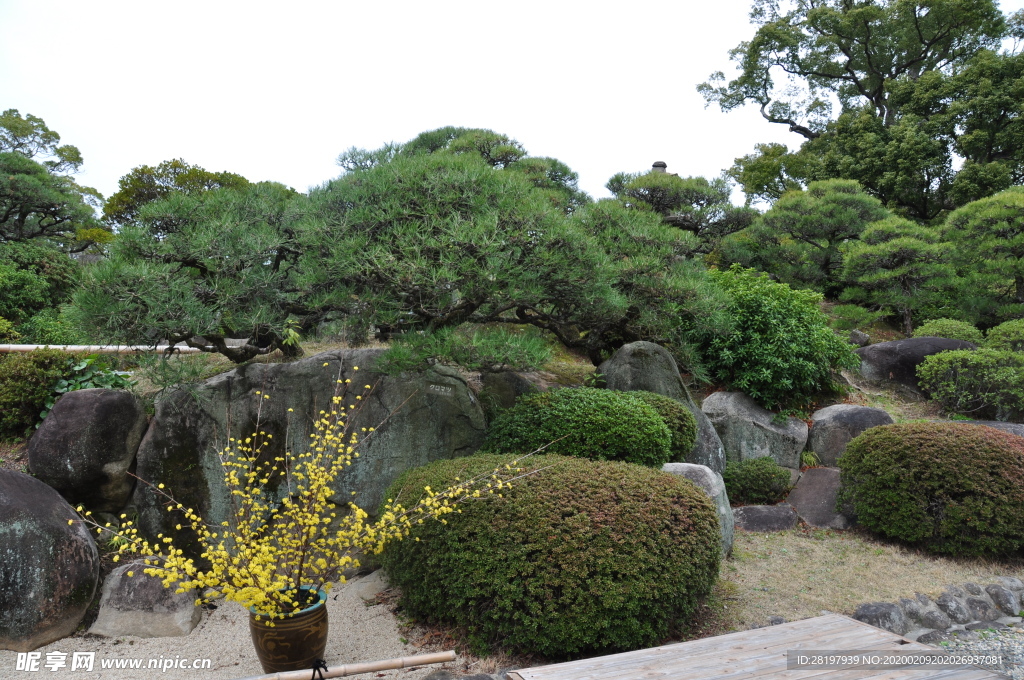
951, 488
578, 557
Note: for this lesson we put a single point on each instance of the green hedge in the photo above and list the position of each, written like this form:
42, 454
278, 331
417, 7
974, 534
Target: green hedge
950, 488
26, 382
584, 422
757, 481
949, 328
580, 557
1006, 336
680, 421
982, 382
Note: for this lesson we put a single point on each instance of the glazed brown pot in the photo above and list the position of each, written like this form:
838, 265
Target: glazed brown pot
294, 642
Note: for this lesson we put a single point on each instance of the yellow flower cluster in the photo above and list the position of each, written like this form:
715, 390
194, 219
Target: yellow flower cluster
284, 531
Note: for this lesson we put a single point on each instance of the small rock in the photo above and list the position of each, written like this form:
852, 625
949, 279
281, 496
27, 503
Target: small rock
370, 586
140, 605
972, 588
883, 615
835, 426
923, 599
911, 608
937, 636
933, 618
859, 338
1005, 599
986, 625
982, 610
953, 607
763, 518
775, 620
440, 675
1011, 583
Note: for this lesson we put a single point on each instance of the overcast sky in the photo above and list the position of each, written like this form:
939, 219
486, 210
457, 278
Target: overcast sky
276, 90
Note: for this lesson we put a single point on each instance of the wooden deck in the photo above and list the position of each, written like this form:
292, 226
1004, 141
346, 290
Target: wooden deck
758, 653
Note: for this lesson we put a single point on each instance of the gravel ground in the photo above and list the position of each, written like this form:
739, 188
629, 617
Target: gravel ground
358, 633
1008, 643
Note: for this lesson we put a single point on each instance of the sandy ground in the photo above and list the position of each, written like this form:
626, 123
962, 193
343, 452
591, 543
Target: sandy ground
358, 633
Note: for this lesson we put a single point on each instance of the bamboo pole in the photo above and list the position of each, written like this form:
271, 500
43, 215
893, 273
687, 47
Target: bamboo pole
357, 668
99, 349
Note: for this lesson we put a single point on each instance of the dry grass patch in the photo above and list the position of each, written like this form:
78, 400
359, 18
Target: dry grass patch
797, 574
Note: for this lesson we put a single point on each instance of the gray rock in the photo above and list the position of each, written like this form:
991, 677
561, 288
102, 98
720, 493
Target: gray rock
775, 620
765, 518
923, 599
500, 390
814, 498
1005, 599
883, 615
650, 367
426, 417
86, 446
49, 569
953, 607
834, 427
933, 618
912, 609
956, 591
749, 431
370, 586
859, 338
973, 588
1011, 583
712, 484
939, 636
1012, 428
982, 610
897, 361
140, 605
986, 625
440, 675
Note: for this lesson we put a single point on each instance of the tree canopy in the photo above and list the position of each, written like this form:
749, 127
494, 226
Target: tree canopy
917, 84
146, 184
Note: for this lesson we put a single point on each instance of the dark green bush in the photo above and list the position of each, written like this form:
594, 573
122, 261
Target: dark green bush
580, 557
951, 488
756, 481
1008, 335
781, 350
949, 328
587, 423
982, 382
26, 382
681, 423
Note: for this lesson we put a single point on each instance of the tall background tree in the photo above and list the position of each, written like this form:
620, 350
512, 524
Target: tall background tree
885, 92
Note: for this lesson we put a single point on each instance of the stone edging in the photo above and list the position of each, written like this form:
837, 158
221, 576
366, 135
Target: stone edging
954, 615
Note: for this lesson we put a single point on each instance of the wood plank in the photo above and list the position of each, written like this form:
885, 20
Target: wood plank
757, 653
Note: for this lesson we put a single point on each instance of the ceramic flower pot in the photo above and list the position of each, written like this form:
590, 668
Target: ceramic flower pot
294, 642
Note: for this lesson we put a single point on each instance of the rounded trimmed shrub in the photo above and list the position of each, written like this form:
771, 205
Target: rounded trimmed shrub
584, 422
26, 382
983, 382
1008, 335
580, 556
950, 488
681, 423
949, 328
756, 481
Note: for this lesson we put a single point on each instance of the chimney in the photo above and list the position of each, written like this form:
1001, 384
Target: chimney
659, 166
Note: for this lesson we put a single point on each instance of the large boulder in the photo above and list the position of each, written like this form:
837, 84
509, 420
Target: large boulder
49, 568
86, 447
420, 417
766, 518
713, 485
834, 427
897, 361
650, 367
134, 603
1012, 428
749, 431
814, 498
